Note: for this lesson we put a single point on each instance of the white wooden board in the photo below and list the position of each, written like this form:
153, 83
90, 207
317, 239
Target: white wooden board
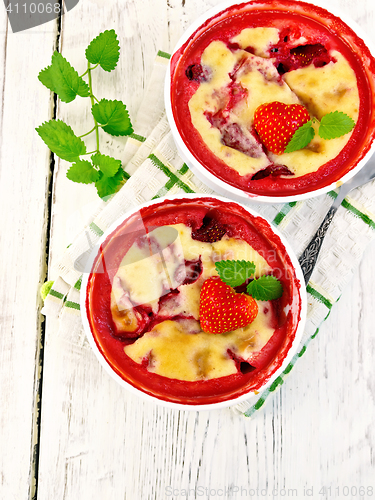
24, 179
98, 441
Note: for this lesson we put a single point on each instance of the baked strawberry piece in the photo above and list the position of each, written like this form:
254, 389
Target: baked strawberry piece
173, 309
295, 54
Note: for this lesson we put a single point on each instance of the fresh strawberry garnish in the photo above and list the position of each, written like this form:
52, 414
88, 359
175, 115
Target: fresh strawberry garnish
276, 122
210, 231
221, 309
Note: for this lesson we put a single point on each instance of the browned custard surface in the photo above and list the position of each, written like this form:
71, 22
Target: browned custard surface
143, 306
251, 54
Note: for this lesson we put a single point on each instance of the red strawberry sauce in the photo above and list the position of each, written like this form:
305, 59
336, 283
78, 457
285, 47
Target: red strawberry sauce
239, 224
321, 29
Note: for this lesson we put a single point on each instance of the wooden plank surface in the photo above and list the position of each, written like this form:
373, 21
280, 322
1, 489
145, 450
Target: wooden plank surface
98, 441
24, 179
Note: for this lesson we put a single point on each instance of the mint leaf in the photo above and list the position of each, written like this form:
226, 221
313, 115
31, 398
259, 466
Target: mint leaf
113, 117
265, 288
63, 79
335, 124
82, 171
104, 50
235, 272
45, 289
107, 165
107, 186
61, 140
301, 137
60, 77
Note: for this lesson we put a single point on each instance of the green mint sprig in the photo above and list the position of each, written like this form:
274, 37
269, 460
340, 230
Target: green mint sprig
332, 125
109, 115
265, 288
236, 272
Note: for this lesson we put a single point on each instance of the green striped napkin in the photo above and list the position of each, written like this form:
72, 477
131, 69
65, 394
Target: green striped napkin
155, 169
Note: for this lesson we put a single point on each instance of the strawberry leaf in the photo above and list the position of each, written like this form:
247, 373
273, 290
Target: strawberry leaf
235, 272
301, 137
335, 124
82, 171
265, 288
104, 50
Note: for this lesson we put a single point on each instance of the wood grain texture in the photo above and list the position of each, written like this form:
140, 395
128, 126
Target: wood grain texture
24, 179
98, 441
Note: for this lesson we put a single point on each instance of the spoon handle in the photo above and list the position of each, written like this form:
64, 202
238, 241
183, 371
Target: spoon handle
310, 254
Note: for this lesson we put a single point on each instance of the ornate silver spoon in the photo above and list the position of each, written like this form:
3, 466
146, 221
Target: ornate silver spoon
310, 254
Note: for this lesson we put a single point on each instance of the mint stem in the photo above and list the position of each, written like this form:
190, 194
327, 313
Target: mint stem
90, 153
85, 73
92, 98
87, 133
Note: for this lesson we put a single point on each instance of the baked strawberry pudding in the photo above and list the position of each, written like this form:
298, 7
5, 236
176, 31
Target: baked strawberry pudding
273, 98
193, 301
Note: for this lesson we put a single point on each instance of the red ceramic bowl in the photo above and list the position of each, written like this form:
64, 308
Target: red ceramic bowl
218, 116
242, 226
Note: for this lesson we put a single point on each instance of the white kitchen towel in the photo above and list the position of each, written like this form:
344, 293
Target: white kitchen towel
155, 168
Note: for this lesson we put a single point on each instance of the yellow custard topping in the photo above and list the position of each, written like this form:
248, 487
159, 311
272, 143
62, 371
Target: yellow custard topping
178, 348
321, 90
